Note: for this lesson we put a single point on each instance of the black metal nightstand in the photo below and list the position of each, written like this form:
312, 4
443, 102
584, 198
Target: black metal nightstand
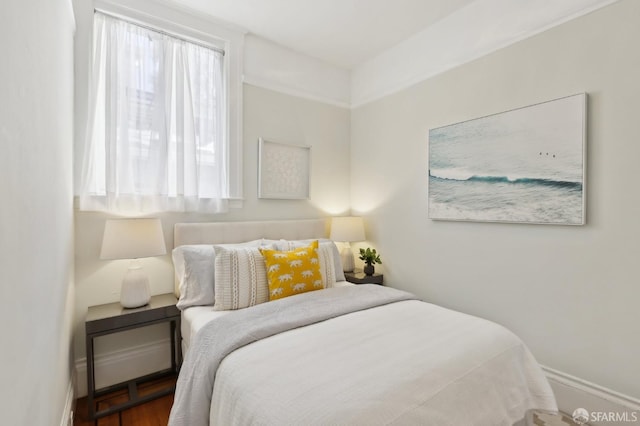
359, 277
113, 318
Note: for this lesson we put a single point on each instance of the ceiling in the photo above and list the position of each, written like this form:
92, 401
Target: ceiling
344, 33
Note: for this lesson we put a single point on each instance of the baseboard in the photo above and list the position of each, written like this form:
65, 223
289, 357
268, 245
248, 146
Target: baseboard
69, 404
572, 393
119, 366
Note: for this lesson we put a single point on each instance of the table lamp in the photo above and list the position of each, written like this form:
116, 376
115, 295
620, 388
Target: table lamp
347, 229
133, 239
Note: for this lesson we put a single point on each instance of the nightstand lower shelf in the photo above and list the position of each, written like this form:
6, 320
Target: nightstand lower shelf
135, 397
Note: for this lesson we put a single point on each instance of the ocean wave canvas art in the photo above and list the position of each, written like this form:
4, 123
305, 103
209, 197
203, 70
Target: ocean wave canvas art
525, 165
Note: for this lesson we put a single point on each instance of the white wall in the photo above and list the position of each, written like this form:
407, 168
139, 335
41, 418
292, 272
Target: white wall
571, 293
36, 217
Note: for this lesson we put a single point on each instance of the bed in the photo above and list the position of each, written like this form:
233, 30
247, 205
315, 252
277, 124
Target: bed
345, 354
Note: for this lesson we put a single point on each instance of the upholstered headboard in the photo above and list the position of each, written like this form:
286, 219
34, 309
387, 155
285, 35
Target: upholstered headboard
238, 232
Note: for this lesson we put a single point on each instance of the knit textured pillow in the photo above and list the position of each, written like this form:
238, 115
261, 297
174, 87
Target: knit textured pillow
293, 272
240, 278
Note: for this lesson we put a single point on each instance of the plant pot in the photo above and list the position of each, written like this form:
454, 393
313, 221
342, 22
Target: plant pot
369, 269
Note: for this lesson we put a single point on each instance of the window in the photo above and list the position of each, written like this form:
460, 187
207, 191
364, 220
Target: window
157, 138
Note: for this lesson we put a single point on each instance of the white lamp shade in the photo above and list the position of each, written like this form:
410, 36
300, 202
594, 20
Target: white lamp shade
347, 229
132, 239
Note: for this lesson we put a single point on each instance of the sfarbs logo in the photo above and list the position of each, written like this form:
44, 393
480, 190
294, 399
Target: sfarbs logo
580, 416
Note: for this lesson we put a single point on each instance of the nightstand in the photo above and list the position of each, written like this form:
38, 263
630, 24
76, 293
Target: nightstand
113, 318
359, 277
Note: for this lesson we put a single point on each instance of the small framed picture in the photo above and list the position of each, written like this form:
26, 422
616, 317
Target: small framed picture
283, 170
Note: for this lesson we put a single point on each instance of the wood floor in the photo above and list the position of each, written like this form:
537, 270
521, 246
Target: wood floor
153, 413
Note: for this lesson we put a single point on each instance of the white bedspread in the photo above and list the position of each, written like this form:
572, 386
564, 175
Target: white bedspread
405, 363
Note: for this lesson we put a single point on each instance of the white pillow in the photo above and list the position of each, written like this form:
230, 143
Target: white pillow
194, 267
331, 265
195, 270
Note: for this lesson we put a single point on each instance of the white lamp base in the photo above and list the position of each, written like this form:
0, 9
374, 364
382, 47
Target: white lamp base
346, 257
135, 287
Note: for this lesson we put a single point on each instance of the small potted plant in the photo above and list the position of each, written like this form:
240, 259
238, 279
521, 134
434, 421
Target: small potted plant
369, 257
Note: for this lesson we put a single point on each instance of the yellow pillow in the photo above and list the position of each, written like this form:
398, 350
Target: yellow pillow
293, 272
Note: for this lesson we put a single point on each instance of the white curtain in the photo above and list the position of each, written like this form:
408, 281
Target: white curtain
156, 131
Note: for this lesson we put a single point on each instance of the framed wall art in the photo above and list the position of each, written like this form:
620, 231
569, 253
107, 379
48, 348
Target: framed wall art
283, 170
526, 165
